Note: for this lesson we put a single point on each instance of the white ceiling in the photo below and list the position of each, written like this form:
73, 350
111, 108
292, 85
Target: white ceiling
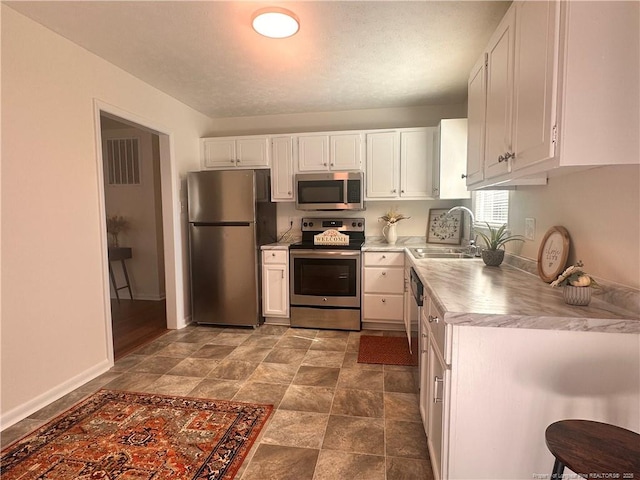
347, 55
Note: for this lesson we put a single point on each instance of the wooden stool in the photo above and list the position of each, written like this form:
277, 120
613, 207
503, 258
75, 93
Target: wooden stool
593, 449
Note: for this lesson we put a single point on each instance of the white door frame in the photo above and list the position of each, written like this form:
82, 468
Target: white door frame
169, 180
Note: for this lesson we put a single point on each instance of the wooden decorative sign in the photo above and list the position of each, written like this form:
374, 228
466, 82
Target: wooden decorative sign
553, 253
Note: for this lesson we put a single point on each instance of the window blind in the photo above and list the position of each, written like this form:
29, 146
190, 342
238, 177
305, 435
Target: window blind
492, 206
123, 161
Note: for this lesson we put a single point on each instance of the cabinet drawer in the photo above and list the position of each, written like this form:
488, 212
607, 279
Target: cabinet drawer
383, 307
380, 259
383, 280
274, 256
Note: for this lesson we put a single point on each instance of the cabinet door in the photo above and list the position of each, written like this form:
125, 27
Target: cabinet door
423, 367
252, 152
281, 169
275, 298
313, 153
416, 163
535, 86
346, 152
451, 159
500, 58
436, 410
383, 164
219, 153
476, 109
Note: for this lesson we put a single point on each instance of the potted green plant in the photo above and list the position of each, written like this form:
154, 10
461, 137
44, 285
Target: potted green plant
493, 254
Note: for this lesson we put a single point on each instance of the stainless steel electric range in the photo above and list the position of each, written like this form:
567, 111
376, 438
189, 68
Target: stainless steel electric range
325, 279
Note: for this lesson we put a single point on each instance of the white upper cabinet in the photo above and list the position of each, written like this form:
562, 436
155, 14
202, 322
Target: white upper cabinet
416, 163
451, 159
235, 152
282, 169
324, 152
534, 92
566, 98
477, 88
500, 58
383, 164
400, 164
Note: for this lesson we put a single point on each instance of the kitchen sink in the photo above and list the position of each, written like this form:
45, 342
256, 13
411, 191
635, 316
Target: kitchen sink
439, 253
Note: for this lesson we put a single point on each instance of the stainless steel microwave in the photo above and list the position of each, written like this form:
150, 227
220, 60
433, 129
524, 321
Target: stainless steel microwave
330, 191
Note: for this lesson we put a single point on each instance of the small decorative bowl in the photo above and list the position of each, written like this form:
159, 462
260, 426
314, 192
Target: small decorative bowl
576, 295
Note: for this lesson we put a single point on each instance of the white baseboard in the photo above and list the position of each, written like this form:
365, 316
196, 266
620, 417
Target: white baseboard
21, 412
141, 296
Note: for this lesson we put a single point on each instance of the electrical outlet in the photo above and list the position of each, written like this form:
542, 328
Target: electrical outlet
295, 222
529, 228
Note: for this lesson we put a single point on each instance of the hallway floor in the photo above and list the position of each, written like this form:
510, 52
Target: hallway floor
135, 323
334, 418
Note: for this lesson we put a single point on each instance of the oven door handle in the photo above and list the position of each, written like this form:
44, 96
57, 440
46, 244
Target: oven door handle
325, 253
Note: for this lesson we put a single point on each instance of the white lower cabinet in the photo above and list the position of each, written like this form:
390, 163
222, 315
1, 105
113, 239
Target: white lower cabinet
383, 290
275, 284
487, 394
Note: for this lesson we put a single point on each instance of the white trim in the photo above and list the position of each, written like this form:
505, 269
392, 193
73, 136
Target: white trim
20, 412
174, 281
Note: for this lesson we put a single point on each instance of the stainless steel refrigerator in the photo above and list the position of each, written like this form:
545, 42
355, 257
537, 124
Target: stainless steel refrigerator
230, 216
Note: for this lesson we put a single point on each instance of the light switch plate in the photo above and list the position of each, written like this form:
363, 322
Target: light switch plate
529, 228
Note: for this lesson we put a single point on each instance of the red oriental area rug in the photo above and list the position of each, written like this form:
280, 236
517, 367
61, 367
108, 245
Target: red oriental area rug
136, 436
387, 350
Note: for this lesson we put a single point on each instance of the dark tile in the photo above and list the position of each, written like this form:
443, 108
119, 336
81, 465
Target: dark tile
231, 337
178, 349
261, 341
351, 361
320, 358
194, 367
280, 373
132, 381
172, 385
330, 344
308, 399
276, 462
256, 392
361, 379
358, 403
402, 406
406, 439
334, 465
276, 330
316, 376
355, 434
213, 352
408, 469
249, 353
156, 364
216, 389
233, 370
285, 355
290, 341
401, 381
128, 362
296, 429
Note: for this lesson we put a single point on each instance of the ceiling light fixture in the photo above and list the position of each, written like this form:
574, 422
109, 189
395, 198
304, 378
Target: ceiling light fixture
275, 22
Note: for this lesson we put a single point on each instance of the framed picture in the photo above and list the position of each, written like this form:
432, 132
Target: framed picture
553, 253
443, 228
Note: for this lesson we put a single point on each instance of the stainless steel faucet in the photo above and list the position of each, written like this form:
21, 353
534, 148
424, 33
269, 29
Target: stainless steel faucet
473, 248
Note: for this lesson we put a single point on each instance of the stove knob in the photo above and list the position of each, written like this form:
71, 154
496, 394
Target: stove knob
311, 224
353, 224
304, 224
359, 224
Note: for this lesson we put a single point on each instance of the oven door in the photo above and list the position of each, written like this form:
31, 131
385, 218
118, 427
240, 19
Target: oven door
325, 278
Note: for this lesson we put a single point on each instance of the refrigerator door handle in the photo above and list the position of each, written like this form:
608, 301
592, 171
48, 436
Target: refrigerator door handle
221, 224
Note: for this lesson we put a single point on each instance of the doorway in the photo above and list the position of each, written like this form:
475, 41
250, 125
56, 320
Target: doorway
133, 207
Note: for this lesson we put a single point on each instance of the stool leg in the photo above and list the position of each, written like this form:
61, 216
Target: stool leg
558, 469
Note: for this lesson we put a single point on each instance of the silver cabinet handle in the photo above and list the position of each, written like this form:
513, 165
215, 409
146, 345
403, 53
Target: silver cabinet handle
325, 164
436, 381
289, 193
384, 274
401, 191
333, 164
463, 176
506, 156
273, 254
232, 161
393, 191
384, 256
384, 300
433, 319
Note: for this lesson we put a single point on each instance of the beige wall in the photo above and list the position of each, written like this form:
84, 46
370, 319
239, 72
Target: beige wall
601, 210
54, 321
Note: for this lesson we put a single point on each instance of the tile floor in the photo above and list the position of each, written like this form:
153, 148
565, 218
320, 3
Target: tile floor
334, 418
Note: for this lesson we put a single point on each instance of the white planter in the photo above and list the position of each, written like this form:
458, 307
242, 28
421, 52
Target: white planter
389, 232
576, 295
